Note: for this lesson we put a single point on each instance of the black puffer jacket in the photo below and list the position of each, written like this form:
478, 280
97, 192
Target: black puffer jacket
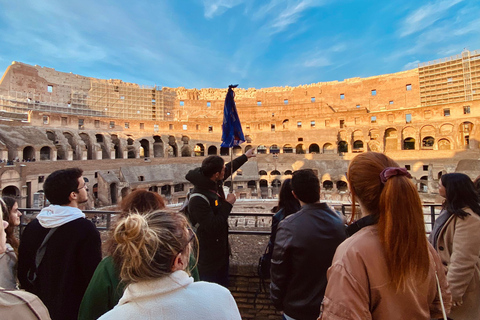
212, 218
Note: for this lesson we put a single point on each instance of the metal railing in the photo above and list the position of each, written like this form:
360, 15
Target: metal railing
431, 212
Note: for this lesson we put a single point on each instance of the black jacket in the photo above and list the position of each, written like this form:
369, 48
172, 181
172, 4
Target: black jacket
212, 218
304, 247
72, 254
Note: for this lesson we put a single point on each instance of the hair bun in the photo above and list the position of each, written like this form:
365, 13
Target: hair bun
131, 229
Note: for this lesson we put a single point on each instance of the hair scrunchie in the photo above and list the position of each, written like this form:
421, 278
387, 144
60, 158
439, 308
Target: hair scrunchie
389, 172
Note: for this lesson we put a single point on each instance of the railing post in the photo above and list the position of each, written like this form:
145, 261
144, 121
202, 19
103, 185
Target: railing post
432, 215
109, 215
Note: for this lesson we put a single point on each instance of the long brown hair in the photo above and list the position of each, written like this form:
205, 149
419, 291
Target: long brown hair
399, 210
7, 205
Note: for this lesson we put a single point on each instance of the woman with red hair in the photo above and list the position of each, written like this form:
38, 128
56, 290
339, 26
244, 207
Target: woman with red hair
386, 269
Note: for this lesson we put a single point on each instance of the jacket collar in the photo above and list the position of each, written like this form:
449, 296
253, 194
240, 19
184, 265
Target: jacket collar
55, 216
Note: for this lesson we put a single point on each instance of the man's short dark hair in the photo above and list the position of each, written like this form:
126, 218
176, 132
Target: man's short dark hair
306, 185
60, 184
212, 165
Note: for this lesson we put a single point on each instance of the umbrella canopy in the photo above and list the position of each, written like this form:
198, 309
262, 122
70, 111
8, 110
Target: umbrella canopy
232, 134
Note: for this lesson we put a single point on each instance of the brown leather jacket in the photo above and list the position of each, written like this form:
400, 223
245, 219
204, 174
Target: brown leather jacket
359, 285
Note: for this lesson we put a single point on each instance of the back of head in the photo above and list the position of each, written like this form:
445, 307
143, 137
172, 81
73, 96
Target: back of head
306, 186
212, 165
460, 193
148, 244
141, 201
397, 206
60, 184
286, 200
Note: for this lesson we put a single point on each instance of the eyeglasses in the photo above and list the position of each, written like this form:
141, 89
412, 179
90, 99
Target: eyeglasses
190, 239
84, 186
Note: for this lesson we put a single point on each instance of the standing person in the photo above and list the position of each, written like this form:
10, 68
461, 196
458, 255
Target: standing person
154, 250
209, 212
387, 269
71, 246
11, 214
456, 237
303, 251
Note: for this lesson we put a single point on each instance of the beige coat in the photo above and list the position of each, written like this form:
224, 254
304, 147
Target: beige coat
458, 245
359, 286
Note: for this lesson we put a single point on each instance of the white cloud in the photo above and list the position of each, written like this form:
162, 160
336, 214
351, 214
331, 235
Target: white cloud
411, 65
426, 16
218, 7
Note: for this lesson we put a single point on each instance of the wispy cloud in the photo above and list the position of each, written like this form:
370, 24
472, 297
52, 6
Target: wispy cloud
318, 58
411, 65
426, 16
214, 8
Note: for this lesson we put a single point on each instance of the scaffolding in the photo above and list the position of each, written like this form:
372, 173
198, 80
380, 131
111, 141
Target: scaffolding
450, 80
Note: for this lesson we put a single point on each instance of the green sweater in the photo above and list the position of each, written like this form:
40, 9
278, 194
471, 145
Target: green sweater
106, 289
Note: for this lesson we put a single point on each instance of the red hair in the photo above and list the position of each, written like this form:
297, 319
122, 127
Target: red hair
399, 210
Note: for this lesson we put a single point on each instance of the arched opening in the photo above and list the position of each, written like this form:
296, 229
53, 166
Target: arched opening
428, 142
95, 190
28, 153
153, 189
224, 151
130, 141
423, 185
328, 148
248, 148
199, 150
166, 190
251, 184
146, 148
45, 153
327, 185
124, 192
358, 145
131, 154
274, 149
275, 173
287, 148
186, 151
212, 151
73, 144
117, 146
262, 173
172, 149
342, 147
157, 147
288, 173
88, 145
391, 137
409, 144
342, 185
11, 191
100, 140
285, 124
314, 148
263, 188
237, 151
444, 144
466, 129
276, 187
113, 193
261, 149
299, 149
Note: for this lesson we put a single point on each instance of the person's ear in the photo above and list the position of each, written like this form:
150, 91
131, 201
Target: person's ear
295, 196
179, 263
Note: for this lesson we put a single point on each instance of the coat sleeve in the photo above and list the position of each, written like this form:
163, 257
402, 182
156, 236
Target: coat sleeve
280, 266
436, 306
202, 213
349, 303
237, 163
465, 255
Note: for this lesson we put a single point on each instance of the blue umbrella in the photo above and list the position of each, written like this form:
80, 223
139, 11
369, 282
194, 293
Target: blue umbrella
232, 134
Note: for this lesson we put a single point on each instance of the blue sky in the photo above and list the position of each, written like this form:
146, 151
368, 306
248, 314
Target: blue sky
255, 43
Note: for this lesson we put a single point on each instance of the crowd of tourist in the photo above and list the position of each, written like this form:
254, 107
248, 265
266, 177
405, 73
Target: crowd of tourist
162, 264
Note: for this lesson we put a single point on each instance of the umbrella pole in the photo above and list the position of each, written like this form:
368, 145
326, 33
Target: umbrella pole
231, 169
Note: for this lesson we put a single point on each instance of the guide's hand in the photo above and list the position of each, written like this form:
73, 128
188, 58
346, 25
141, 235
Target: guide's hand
250, 153
231, 198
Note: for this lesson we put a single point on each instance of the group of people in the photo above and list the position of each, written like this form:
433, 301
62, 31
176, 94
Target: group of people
170, 265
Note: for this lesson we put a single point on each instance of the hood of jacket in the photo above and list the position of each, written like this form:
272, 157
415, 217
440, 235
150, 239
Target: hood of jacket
199, 180
55, 216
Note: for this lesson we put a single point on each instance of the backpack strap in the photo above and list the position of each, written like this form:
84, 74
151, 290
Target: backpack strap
204, 197
39, 255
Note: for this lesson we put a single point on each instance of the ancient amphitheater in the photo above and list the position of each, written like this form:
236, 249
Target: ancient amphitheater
128, 136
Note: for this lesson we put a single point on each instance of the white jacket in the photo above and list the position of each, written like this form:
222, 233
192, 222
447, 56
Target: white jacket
174, 297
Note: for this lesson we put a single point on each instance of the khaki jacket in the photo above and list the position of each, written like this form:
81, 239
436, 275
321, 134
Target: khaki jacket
359, 286
458, 245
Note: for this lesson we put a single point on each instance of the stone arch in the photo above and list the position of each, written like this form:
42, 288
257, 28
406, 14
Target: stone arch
172, 149
423, 184
391, 139
199, 150
342, 184
237, 151
287, 148
444, 144
186, 151
465, 133
261, 149
328, 148
358, 145
113, 193
263, 184
314, 148
224, 151
61, 152
262, 173
212, 150
409, 143
88, 145
299, 149
73, 144
274, 149
275, 173
248, 148
117, 146
45, 153
428, 142
185, 139
28, 153
124, 192
342, 146
252, 184
446, 128
11, 191
285, 124
144, 148
102, 142
276, 184
158, 147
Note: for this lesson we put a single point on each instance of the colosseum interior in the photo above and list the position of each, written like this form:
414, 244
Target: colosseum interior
126, 136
